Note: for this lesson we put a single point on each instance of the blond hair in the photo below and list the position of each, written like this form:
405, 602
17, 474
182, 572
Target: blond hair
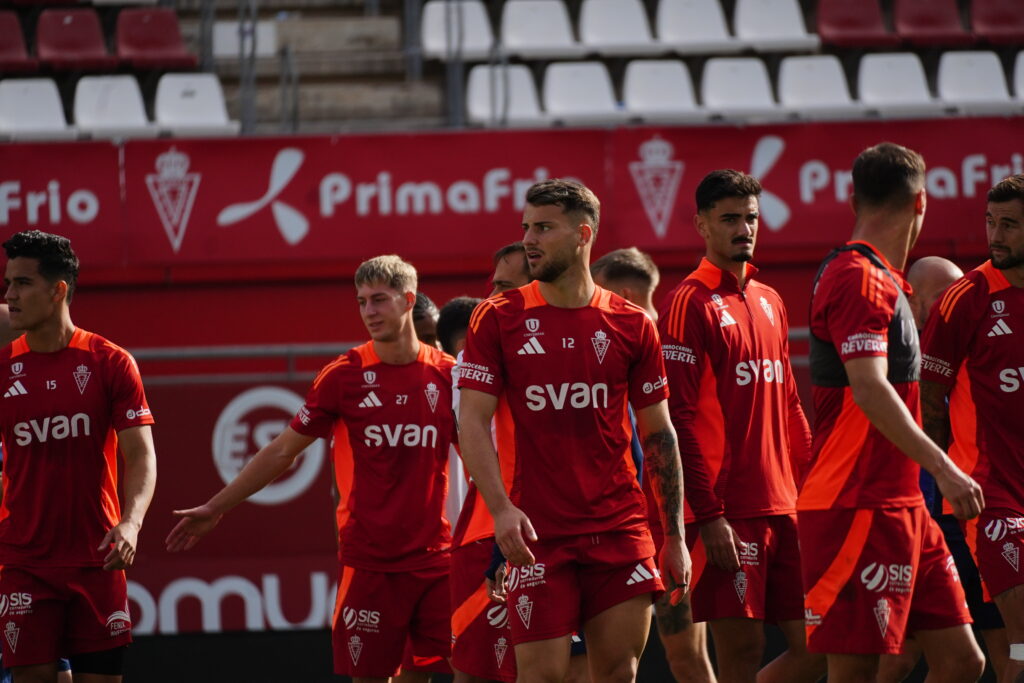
388, 270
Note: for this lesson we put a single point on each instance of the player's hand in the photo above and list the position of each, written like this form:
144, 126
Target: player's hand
722, 544
676, 568
962, 492
195, 523
511, 525
498, 588
121, 541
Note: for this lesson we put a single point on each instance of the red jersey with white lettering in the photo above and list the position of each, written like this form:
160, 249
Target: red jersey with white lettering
859, 309
392, 427
733, 397
59, 420
568, 374
974, 342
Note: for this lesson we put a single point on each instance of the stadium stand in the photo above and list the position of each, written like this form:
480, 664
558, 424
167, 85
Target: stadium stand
1000, 22
580, 93
490, 101
894, 84
773, 26
14, 56
815, 88
974, 82
149, 38
30, 109
739, 87
538, 29
930, 22
192, 105
72, 39
1018, 76
695, 27
661, 91
853, 24
616, 28
465, 21
112, 107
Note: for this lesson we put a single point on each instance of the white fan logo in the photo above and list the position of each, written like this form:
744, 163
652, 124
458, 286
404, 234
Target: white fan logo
292, 224
767, 151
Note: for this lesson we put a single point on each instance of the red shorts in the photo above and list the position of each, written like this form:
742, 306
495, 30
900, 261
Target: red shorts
376, 613
481, 639
52, 612
767, 585
577, 578
996, 540
875, 576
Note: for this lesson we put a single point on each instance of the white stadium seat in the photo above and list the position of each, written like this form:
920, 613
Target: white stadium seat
974, 83
452, 27
192, 104
815, 88
503, 94
580, 93
660, 90
695, 27
227, 41
112, 107
30, 109
538, 29
773, 25
738, 88
1018, 76
616, 27
893, 83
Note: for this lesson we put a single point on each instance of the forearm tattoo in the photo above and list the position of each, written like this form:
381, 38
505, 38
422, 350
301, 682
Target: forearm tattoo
935, 413
666, 470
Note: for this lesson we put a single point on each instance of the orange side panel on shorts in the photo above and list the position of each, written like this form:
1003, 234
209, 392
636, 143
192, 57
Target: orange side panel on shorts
837, 458
971, 537
822, 596
343, 471
469, 610
108, 487
347, 574
963, 420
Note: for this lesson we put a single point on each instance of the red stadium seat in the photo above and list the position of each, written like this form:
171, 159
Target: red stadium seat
853, 24
998, 21
930, 22
71, 39
13, 55
150, 38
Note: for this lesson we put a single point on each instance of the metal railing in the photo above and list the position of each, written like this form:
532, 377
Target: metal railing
289, 90
248, 16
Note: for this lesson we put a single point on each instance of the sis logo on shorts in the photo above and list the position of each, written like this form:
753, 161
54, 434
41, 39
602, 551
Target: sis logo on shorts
361, 620
15, 604
526, 577
996, 529
896, 578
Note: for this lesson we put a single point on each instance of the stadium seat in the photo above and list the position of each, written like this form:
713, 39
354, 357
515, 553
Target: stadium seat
226, 39
853, 24
497, 95
538, 29
930, 22
616, 28
737, 88
149, 38
660, 90
30, 109
456, 26
815, 88
773, 25
894, 85
1018, 76
998, 21
580, 93
111, 107
695, 27
71, 39
974, 83
192, 105
13, 55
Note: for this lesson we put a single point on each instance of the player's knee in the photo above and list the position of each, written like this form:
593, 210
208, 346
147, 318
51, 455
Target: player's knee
961, 666
621, 671
684, 654
104, 663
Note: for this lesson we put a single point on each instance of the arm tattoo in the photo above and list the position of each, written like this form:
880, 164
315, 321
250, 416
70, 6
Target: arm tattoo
666, 470
935, 413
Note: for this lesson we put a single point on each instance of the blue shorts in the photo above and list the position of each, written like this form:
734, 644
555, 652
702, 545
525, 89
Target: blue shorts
985, 614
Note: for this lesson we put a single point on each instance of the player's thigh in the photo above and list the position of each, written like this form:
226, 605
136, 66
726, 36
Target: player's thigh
545, 660
851, 668
738, 638
616, 637
1011, 605
952, 652
36, 673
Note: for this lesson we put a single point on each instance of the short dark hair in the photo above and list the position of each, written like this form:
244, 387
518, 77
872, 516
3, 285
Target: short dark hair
57, 260
508, 250
725, 183
887, 175
575, 199
423, 307
453, 321
627, 264
1007, 189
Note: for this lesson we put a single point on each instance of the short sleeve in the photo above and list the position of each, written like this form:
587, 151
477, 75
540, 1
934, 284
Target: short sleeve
947, 335
129, 407
647, 381
482, 365
322, 408
858, 321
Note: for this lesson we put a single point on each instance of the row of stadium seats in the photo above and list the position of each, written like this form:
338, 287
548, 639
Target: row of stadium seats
541, 29
111, 107
41, 3
738, 89
72, 40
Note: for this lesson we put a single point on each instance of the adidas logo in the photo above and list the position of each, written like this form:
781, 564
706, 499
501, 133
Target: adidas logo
998, 330
371, 401
531, 347
727, 319
17, 389
640, 574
